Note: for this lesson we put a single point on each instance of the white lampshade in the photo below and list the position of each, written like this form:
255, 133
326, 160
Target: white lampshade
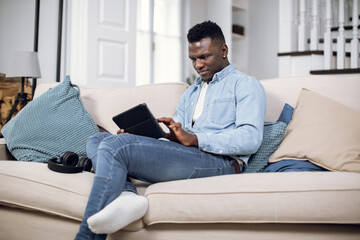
24, 64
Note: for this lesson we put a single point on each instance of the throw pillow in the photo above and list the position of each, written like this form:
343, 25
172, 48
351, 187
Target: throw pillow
286, 114
293, 166
323, 132
50, 125
272, 137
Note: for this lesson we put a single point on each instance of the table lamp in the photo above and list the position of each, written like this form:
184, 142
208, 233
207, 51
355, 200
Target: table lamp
24, 64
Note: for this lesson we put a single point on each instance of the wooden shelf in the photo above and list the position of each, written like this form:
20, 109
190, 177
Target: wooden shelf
240, 41
240, 4
237, 36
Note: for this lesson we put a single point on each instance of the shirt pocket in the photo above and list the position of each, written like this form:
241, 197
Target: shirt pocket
223, 111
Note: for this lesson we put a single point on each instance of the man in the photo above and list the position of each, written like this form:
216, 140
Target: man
218, 125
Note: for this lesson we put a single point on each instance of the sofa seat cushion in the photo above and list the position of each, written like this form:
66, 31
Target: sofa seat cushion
297, 197
32, 186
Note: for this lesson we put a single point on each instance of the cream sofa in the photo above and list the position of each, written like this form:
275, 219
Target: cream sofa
36, 203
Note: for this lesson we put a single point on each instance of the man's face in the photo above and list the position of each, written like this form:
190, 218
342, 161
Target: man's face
207, 57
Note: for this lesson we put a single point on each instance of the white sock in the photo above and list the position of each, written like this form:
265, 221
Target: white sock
125, 209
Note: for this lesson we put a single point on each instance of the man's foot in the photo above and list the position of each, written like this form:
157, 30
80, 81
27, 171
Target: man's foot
125, 209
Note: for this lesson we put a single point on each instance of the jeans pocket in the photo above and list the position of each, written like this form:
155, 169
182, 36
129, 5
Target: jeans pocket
205, 172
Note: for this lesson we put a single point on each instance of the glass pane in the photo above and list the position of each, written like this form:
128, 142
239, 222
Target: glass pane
167, 22
167, 59
167, 17
142, 58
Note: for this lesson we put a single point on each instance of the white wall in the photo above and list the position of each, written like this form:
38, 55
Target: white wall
261, 32
264, 37
17, 20
203, 10
221, 14
48, 28
16, 28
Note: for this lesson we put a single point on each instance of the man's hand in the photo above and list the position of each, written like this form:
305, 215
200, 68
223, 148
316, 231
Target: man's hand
120, 131
177, 134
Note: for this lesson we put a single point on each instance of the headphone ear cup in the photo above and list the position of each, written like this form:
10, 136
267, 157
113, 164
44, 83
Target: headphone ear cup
69, 159
85, 163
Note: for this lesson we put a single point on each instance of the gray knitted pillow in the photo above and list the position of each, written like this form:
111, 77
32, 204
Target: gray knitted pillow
273, 135
50, 125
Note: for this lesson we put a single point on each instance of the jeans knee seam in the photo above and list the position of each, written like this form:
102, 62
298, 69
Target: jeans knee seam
106, 190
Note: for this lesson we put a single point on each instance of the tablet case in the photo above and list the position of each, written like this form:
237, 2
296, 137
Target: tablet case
140, 121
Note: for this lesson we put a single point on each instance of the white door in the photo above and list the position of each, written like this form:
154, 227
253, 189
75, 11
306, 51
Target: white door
111, 46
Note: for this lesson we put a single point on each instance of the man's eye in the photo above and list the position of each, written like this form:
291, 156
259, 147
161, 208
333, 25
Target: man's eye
204, 57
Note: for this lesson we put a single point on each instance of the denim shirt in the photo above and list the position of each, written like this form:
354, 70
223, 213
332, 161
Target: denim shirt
232, 120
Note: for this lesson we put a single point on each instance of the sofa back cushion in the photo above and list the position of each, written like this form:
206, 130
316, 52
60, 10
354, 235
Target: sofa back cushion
103, 103
341, 88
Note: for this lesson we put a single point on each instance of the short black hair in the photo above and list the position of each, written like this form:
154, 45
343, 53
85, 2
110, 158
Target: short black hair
203, 30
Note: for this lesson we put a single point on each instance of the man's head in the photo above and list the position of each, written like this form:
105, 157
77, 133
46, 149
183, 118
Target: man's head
207, 49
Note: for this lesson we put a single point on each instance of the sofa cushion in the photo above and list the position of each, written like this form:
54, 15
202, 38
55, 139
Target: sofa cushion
32, 186
50, 125
341, 88
272, 137
293, 166
286, 114
324, 132
103, 103
298, 197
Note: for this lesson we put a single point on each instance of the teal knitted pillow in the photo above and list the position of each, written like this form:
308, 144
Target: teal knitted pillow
50, 125
273, 135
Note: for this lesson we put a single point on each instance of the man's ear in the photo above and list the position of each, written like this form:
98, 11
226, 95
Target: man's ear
224, 49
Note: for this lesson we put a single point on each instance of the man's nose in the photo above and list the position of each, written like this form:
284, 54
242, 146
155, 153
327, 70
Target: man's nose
199, 64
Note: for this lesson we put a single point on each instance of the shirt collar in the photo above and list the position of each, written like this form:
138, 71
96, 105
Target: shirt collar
219, 75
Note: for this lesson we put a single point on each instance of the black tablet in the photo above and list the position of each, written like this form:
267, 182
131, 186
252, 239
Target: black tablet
140, 121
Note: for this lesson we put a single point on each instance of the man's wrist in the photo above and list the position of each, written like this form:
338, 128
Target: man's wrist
194, 141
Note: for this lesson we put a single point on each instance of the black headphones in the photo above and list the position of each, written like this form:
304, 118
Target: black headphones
70, 163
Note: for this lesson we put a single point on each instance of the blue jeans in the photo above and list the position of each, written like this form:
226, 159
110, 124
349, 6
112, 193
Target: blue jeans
117, 157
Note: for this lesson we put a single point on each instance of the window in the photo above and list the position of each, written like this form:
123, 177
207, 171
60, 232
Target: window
158, 42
